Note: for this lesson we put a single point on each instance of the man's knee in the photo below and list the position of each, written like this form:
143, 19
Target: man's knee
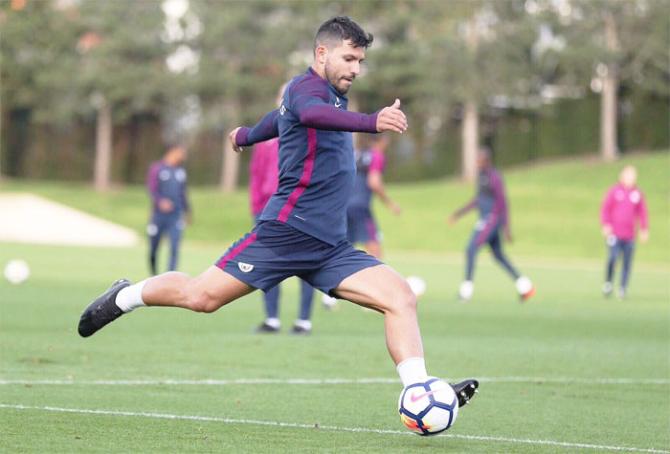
200, 300
401, 298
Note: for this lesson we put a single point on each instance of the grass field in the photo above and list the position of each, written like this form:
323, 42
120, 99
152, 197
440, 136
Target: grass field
567, 372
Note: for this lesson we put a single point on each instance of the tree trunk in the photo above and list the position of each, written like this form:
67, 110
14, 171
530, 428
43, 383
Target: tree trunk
609, 149
231, 167
103, 147
469, 141
470, 126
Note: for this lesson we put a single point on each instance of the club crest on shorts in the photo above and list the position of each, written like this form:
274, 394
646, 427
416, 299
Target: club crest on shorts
245, 267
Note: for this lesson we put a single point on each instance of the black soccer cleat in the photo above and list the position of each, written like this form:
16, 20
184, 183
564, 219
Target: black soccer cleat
301, 330
465, 391
103, 310
265, 328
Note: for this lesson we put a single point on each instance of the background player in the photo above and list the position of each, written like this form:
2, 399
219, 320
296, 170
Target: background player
170, 208
491, 203
623, 207
302, 230
263, 181
361, 224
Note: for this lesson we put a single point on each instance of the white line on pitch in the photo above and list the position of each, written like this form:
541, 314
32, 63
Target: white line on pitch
326, 381
293, 425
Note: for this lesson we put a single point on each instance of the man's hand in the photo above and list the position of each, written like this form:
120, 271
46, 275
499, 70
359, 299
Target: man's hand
395, 208
607, 230
165, 205
232, 136
452, 220
508, 235
188, 218
644, 236
392, 119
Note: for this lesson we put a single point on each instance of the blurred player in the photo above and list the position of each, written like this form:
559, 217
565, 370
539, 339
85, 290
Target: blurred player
361, 224
623, 208
491, 203
264, 177
302, 230
170, 209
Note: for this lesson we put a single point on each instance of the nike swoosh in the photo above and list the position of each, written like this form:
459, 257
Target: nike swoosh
414, 397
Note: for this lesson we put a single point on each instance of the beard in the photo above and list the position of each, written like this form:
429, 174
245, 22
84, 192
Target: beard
340, 84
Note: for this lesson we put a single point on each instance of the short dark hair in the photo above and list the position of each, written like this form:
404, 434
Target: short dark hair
341, 28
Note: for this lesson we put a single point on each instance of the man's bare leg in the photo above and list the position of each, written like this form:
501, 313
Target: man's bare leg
384, 290
204, 293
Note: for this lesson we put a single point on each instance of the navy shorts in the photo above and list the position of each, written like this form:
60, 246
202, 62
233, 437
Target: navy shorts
361, 226
274, 251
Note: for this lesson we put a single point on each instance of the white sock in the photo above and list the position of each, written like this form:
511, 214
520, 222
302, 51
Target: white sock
130, 297
273, 322
304, 324
412, 370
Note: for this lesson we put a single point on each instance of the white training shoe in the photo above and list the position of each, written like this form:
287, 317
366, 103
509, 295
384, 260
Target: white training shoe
465, 291
525, 288
329, 303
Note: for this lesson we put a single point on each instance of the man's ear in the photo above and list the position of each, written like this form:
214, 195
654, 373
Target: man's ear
321, 54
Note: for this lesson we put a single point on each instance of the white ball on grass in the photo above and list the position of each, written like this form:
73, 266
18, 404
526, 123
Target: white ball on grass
417, 285
17, 271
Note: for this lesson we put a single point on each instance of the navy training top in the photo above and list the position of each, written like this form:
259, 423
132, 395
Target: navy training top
316, 156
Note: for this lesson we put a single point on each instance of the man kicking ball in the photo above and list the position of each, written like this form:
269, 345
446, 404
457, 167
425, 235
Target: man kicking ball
493, 217
302, 230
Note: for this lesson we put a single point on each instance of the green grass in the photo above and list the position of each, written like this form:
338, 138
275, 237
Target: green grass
568, 331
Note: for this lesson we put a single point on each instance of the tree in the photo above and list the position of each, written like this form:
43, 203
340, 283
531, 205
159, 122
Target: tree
122, 70
486, 54
35, 37
609, 43
246, 50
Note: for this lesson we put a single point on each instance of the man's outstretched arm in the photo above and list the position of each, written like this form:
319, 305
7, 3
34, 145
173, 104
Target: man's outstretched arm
309, 101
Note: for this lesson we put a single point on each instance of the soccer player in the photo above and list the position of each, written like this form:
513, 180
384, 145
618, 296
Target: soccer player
623, 208
361, 225
170, 209
302, 230
493, 217
264, 177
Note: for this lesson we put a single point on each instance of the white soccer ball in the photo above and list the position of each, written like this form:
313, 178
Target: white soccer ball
428, 408
17, 271
417, 285
523, 285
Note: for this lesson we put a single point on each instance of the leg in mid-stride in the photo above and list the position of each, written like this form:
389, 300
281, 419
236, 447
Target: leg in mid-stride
381, 288
204, 293
613, 250
491, 236
618, 247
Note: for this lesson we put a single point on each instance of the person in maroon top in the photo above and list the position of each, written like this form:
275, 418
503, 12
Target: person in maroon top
622, 210
491, 203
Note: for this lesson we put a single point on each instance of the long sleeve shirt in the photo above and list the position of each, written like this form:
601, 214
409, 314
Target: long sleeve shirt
316, 156
622, 209
168, 182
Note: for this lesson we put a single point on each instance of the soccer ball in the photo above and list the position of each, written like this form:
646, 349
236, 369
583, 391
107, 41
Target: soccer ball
17, 271
428, 408
417, 285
